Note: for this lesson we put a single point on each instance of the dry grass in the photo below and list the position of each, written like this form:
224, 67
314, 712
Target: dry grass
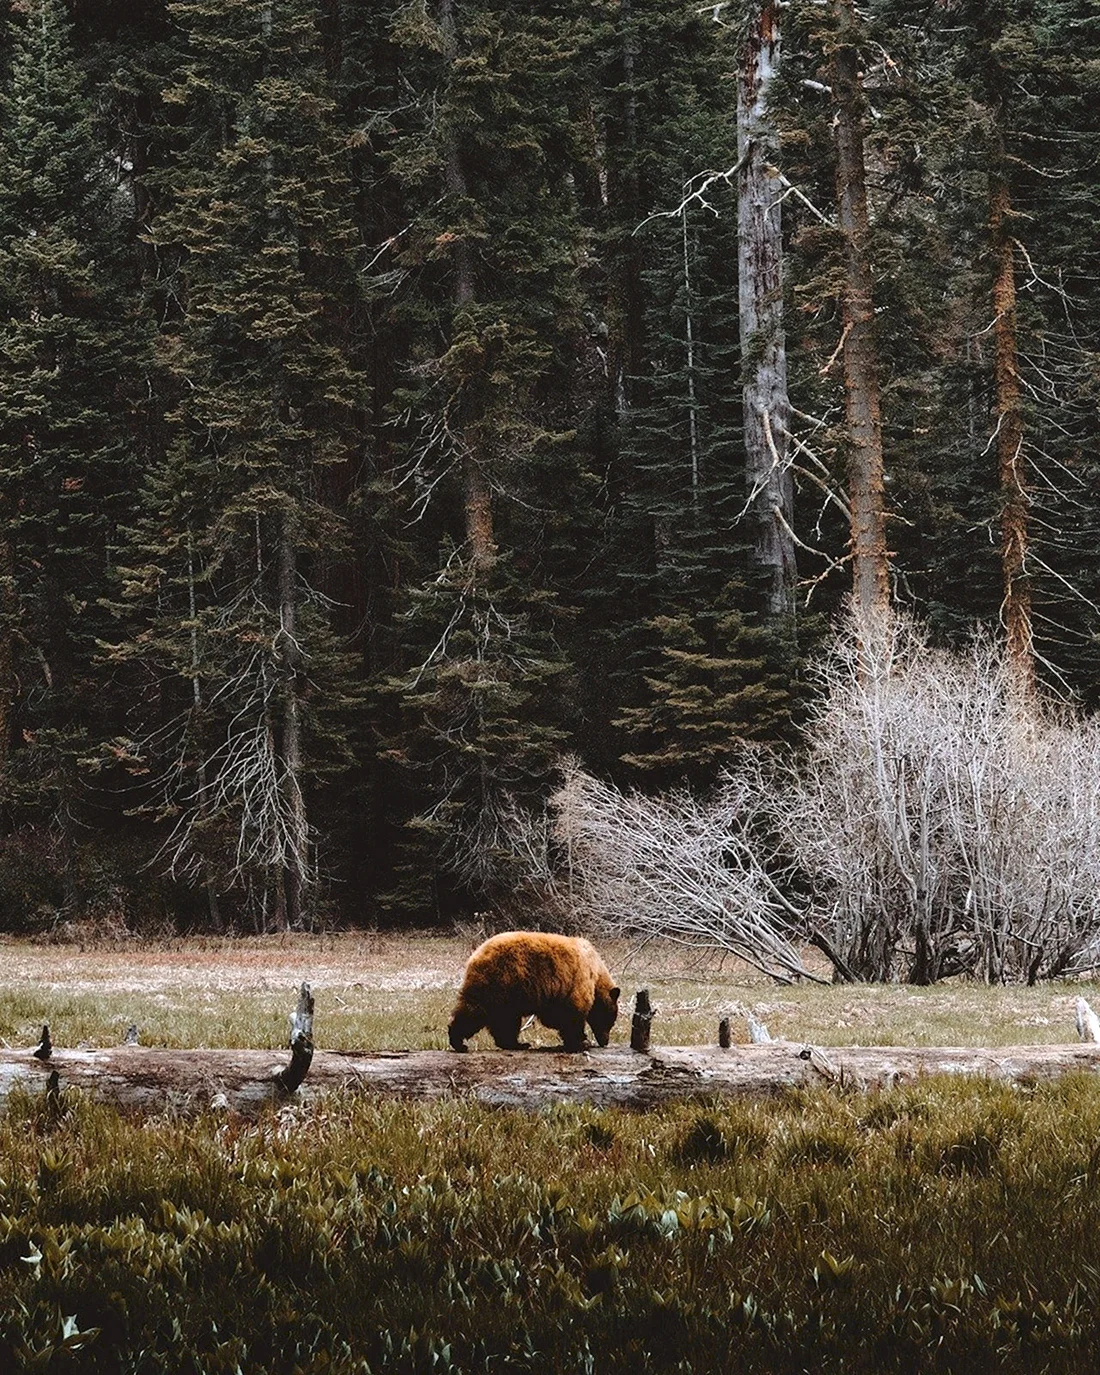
392, 991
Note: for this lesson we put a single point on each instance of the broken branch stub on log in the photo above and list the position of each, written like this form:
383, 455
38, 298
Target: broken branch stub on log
1088, 1024
642, 1021
289, 1079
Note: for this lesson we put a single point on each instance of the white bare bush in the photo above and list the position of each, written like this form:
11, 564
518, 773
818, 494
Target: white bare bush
942, 825
932, 824
675, 868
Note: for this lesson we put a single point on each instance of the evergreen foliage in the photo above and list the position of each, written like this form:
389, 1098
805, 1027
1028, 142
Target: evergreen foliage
254, 234
370, 415
70, 343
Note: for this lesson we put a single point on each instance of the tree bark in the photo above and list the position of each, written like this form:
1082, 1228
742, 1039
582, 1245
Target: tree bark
145, 1079
295, 871
477, 493
866, 486
8, 612
760, 306
1012, 478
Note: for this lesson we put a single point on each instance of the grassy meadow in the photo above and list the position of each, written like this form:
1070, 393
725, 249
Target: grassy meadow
949, 1226
393, 992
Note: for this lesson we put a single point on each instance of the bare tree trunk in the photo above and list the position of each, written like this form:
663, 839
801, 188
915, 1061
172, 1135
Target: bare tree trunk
477, 493
866, 489
1015, 501
689, 359
296, 867
760, 304
213, 905
8, 610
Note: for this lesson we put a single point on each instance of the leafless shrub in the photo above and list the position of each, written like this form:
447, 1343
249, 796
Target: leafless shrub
932, 824
603, 861
676, 868
942, 825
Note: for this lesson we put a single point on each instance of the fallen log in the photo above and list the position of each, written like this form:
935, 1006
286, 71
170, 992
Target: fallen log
147, 1079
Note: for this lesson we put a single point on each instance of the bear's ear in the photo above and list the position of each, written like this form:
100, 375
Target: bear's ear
613, 994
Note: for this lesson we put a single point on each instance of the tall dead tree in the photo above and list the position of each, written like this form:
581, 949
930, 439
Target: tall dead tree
866, 487
8, 612
760, 306
1011, 474
477, 493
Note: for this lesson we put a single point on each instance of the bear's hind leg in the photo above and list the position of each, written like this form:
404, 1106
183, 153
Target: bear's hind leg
505, 1032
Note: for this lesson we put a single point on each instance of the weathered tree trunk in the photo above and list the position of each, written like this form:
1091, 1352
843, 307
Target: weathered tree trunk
689, 359
8, 611
1012, 477
145, 1079
477, 494
760, 305
866, 487
295, 870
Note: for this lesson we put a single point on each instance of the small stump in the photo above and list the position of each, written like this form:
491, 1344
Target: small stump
643, 1020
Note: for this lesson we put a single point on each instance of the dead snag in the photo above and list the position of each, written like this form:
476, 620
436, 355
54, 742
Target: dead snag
643, 1020
301, 1044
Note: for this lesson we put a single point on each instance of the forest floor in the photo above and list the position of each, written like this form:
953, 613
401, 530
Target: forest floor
395, 990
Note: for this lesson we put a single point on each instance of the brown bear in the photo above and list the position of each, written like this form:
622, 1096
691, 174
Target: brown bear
561, 979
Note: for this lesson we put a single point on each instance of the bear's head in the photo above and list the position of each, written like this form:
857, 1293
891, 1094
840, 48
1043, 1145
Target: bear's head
605, 1008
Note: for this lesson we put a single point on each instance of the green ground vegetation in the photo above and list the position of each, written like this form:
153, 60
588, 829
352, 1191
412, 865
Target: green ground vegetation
952, 1226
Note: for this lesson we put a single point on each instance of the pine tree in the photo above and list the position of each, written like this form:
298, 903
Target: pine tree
475, 704
866, 484
253, 233
69, 347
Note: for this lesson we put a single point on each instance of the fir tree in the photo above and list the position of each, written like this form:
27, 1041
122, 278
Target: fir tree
69, 347
254, 233
477, 714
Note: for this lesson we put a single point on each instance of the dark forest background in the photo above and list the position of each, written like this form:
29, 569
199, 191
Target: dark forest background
371, 417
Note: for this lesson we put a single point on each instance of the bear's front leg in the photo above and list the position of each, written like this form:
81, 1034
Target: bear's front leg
463, 1025
572, 1033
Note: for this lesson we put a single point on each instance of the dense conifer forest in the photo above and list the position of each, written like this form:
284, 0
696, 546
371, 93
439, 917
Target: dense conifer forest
398, 398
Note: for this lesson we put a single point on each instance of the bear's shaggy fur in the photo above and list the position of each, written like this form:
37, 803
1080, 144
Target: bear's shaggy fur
559, 979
